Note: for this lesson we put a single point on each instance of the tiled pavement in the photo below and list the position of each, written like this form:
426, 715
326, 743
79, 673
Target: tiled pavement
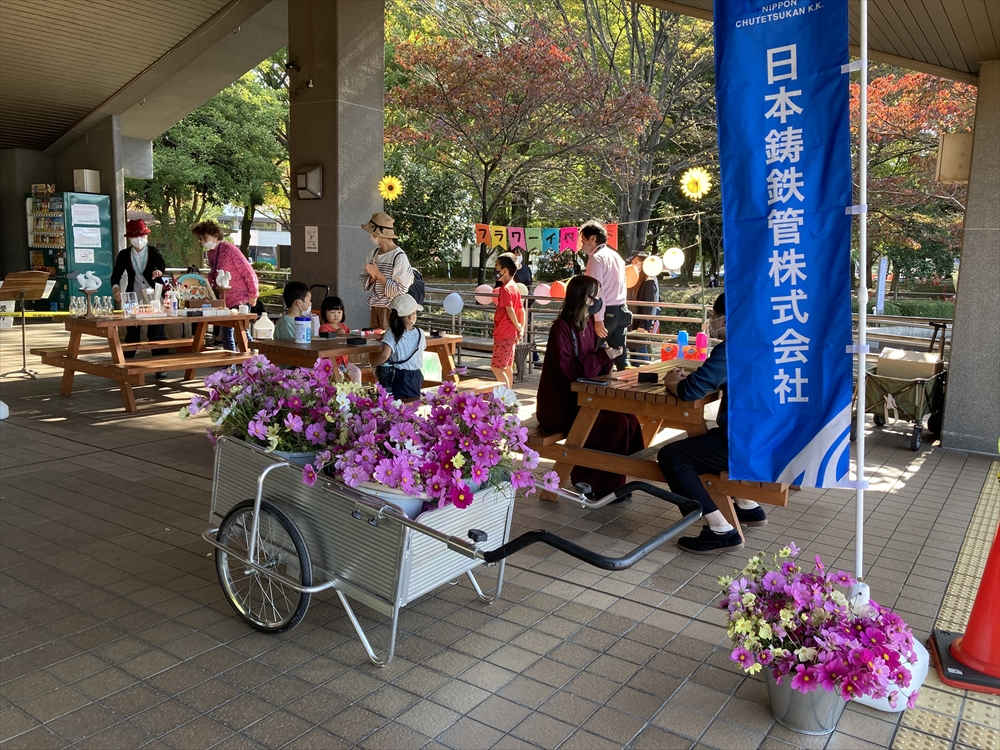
114, 632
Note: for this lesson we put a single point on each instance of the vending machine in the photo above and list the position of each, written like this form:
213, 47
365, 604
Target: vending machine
70, 233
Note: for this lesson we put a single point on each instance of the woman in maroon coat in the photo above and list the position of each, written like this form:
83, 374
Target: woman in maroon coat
571, 354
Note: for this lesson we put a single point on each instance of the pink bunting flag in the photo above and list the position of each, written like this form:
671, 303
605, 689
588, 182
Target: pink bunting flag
612, 230
569, 239
515, 238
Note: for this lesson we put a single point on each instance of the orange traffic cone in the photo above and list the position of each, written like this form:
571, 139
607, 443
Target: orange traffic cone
971, 661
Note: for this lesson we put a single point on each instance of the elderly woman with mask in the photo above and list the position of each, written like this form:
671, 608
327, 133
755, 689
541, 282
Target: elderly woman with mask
137, 267
225, 256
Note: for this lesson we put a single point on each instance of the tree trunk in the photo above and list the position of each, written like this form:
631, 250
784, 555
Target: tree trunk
245, 225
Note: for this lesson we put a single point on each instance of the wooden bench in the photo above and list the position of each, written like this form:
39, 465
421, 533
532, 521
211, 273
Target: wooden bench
478, 385
178, 344
642, 465
476, 344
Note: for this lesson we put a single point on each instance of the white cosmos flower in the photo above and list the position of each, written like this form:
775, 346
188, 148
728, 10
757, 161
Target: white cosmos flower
505, 394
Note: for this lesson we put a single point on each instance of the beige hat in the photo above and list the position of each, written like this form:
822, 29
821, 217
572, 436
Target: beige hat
405, 305
380, 225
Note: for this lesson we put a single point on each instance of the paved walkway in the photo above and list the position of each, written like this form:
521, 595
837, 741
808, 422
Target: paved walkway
114, 632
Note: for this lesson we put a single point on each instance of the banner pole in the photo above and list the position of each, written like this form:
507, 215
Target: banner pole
862, 299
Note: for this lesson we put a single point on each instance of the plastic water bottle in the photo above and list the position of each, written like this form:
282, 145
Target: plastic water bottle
682, 341
701, 345
303, 330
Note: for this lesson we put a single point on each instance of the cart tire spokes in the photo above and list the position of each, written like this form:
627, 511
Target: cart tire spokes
917, 437
265, 603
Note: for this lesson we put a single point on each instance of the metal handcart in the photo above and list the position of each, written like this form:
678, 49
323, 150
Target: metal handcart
279, 541
906, 399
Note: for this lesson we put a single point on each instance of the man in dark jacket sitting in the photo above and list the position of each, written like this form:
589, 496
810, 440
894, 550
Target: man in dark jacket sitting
684, 460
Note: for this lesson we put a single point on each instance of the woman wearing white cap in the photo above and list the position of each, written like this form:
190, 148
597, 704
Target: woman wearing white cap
388, 273
397, 366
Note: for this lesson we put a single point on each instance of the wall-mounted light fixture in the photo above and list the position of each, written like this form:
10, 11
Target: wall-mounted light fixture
309, 182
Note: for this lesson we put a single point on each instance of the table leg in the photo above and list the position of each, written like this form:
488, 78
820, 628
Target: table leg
197, 344
650, 427
725, 503
240, 334
446, 357
72, 352
577, 437
118, 357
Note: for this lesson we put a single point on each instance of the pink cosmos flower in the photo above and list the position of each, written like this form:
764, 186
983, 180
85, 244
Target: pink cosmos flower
309, 474
805, 679
550, 481
743, 657
315, 434
531, 459
461, 495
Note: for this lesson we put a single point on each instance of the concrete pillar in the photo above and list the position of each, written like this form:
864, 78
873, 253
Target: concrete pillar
337, 122
972, 411
19, 168
99, 148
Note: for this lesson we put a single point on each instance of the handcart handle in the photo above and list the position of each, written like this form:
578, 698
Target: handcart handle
690, 508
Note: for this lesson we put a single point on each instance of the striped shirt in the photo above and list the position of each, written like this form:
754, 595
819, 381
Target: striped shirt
607, 266
398, 273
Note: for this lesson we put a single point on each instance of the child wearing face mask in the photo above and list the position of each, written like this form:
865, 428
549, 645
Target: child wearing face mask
508, 320
225, 256
331, 320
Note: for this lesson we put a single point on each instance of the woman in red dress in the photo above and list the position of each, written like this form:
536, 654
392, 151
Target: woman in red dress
571, 354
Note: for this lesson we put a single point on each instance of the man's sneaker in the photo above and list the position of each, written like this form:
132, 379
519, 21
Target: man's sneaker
708, 542
754, 517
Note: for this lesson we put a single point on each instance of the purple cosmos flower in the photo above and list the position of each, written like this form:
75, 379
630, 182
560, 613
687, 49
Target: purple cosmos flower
257, 429
743, 657
844, 579
294, 422
531, 458
773, 582
521, 479
315, 434
479, 474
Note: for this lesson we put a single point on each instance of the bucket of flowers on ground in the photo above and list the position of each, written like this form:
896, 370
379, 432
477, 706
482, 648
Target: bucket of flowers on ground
816, 649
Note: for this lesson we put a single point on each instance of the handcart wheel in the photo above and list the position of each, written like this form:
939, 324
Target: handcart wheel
917, 436
879, 420
265, 603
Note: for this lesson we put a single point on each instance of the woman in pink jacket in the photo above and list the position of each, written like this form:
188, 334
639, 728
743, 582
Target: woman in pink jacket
225, 256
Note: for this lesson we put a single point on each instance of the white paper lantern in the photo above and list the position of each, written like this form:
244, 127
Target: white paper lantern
652, 266
673, 259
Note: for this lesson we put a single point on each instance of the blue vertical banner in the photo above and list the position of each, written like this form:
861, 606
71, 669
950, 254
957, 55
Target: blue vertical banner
784, 150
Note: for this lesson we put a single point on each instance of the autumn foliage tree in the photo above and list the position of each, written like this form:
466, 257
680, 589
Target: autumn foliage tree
912, 219
501, 113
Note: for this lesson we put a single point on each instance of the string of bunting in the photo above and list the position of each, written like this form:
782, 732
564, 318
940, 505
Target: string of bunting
537, 239
547, 239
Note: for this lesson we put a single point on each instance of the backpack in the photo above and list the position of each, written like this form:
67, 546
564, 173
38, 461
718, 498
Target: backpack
416, 289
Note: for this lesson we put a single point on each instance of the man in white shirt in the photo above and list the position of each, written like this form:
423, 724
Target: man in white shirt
611, 322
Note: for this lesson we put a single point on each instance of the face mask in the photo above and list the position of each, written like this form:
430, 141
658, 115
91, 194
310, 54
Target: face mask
138, 242
373, 238
596, 306
497, 275
715, 325
210, 244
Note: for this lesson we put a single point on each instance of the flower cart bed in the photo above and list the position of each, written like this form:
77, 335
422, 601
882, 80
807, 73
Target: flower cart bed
345, 539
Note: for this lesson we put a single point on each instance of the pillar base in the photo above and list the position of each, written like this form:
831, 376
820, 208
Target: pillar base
952, 672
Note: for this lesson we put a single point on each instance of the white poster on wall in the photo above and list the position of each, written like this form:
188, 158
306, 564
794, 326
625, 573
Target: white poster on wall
312, 239
86, 237
85, 213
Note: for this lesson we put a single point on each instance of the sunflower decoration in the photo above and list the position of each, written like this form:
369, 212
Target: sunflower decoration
390, 187
695, 183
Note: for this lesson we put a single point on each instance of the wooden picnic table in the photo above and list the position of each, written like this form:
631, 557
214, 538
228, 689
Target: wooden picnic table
655, 407
189, 353
287, 352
